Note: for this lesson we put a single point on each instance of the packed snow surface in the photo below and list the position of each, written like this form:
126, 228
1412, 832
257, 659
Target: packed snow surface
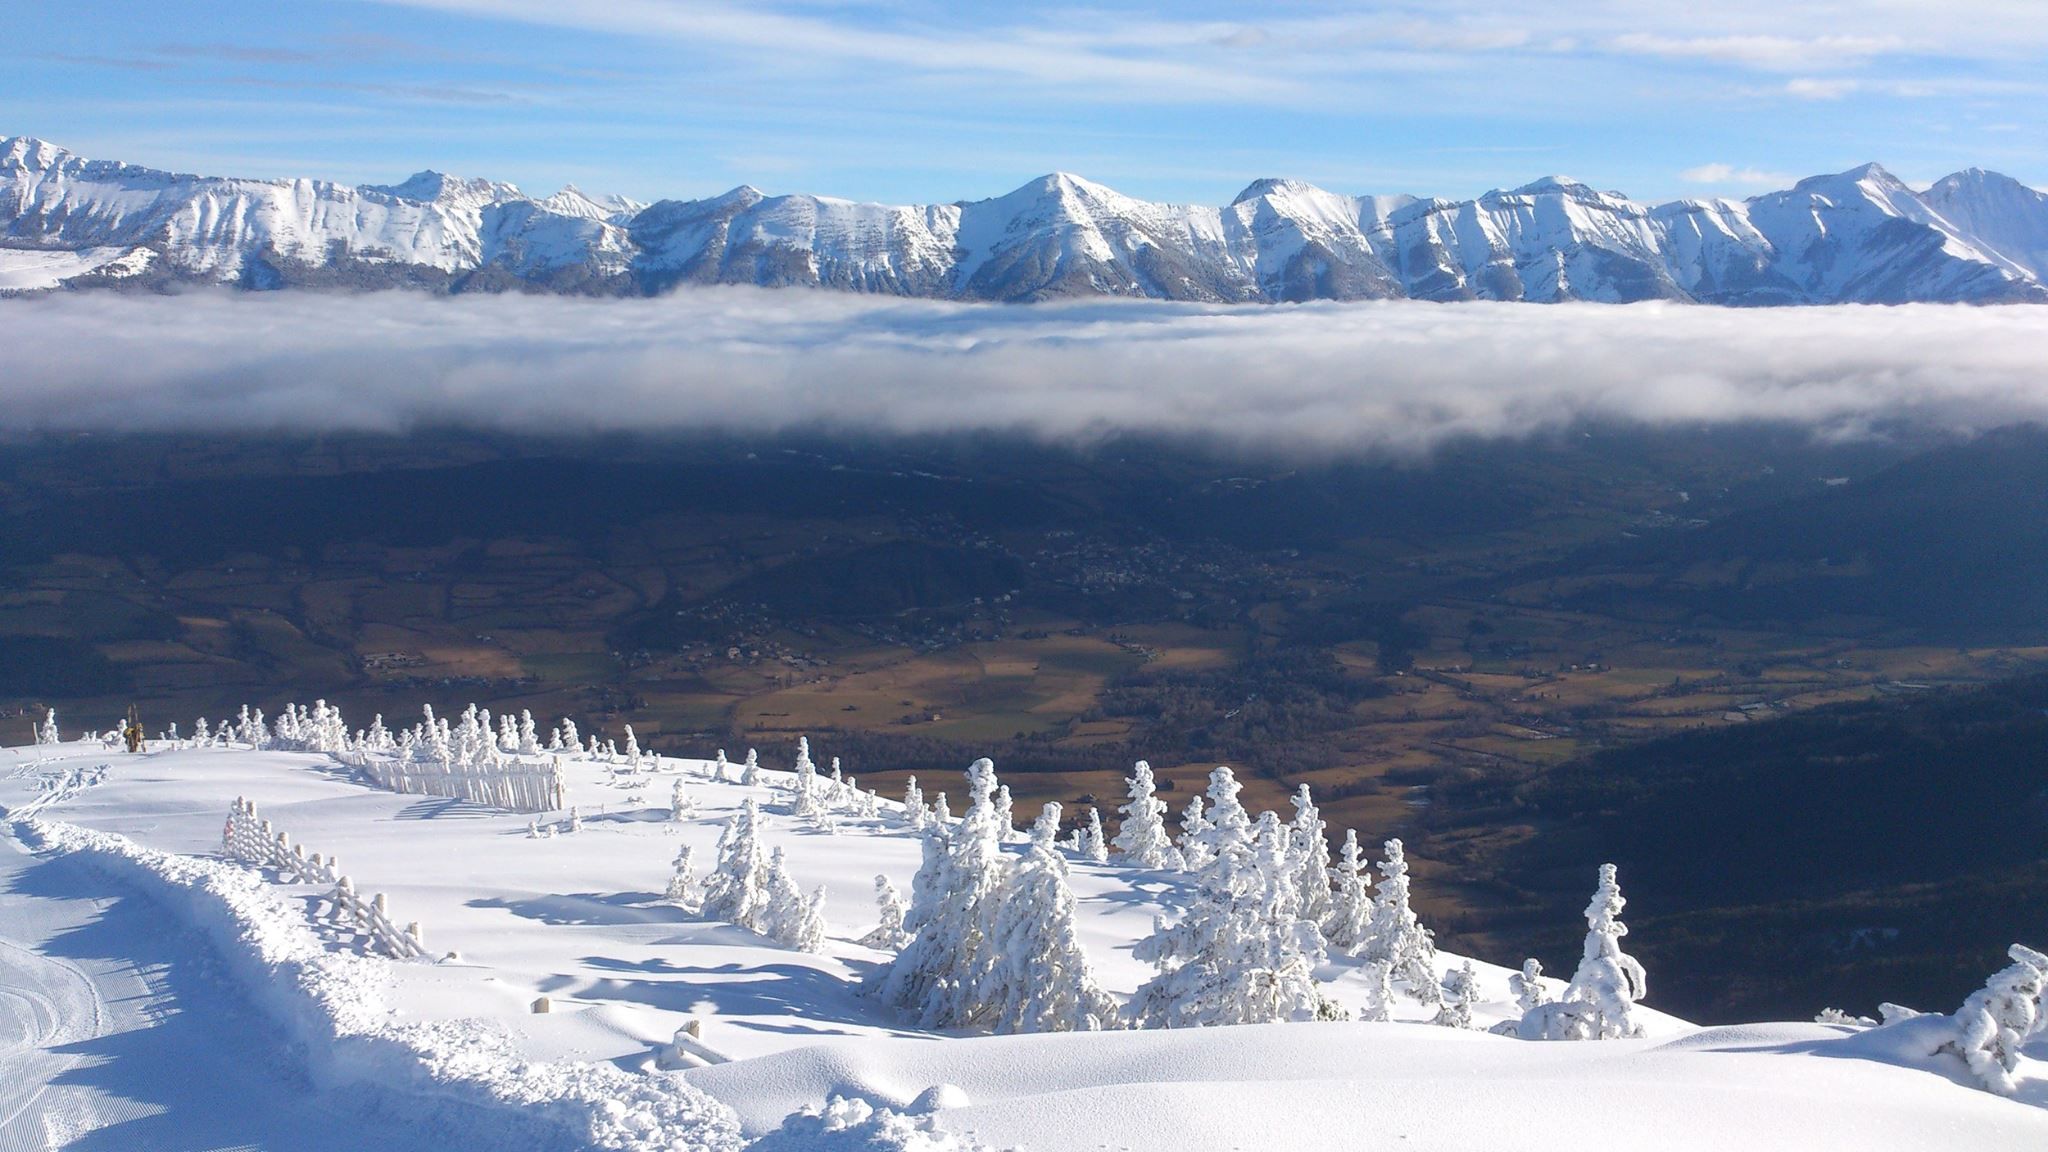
114, 878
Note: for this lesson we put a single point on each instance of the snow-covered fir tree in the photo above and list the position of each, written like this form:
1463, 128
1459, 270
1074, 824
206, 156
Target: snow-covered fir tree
1237, 956
529, 739
1194, 834
1279, 871
736, 891
1046, 829
1527, 986
1229, 824
1349, 922
679, 803
682, 882
1460, 992
942, 816
1379, 992
1088, 842
633, 756
888, 934
792, 919
805, 800
1143, 842
750, 772
46, 732
1041, 980
914, 812
1609, 981
1396, 936
721, 769
1999, 1018
1312, 852
939, 974
1006, 813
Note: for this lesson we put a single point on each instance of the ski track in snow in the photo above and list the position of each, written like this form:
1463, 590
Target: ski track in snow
116, 1032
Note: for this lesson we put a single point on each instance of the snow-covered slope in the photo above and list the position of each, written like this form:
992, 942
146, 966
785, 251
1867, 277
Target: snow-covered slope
453, 1046
1997, 211
1859, 236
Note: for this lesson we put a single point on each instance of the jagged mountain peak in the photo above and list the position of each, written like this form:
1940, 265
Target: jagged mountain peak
1550, 185
28, 152
1274, 186
1859, 235
429, 186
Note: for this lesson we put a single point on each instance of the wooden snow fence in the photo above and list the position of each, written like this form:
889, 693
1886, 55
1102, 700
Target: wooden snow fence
372, 918
514, 785
250, 839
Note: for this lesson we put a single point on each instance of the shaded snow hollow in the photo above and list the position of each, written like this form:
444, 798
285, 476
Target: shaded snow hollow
576, 917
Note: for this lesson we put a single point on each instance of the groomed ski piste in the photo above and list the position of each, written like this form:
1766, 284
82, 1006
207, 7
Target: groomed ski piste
545, 979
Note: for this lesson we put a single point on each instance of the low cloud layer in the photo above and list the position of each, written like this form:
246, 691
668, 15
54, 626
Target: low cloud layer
1326, 377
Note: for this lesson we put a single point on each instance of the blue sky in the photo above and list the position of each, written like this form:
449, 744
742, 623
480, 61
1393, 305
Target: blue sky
921, 101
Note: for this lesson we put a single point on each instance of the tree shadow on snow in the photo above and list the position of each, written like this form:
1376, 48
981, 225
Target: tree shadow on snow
589, 908
794, 991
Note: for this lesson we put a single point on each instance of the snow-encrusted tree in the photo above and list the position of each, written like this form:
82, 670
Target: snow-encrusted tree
1379, 992
721, 768
1088, 843
46, 732
914, 812
750, 773
1999, 1018
1240, 954
1041, 980
1312, 853
1229, 824
1194, 833
529, 739
792, 919
1527, 986
804, 785
633, 757
1609, 981
568, 739
939, 974
1460, 992
1396, 936
1006, 813
888, 934
679, 803
682, 882
737, 889
1349, 923
1046, 829
942, 816
1143, 842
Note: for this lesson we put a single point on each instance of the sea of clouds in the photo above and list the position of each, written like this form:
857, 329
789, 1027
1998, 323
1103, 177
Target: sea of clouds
1326, 377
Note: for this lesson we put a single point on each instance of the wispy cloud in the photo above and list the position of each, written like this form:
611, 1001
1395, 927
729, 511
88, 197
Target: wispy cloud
1729, 174
1773, 52
1808, 88
1329, 378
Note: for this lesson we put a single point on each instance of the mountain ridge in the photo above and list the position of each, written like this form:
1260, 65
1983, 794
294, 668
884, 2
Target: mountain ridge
1860, 236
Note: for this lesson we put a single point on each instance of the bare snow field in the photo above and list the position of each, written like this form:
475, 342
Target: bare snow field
154, 994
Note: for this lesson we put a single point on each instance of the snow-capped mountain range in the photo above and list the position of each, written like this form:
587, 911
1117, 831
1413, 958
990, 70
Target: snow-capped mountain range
1860, 236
